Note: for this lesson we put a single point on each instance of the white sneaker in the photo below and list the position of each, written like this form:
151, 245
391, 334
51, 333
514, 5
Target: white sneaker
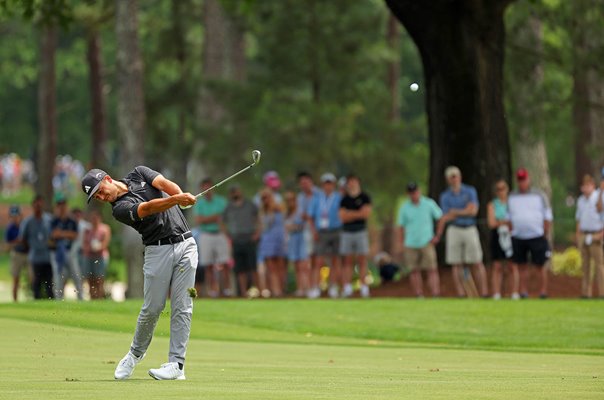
497, 296
125, 367
333, 291
364, 291
347, 290
515, 296
168, 372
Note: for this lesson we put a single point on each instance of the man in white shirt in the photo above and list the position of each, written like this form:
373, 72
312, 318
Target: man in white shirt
531, 218
589, 236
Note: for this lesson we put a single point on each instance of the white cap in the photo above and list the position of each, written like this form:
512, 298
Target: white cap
328, 177
452, 171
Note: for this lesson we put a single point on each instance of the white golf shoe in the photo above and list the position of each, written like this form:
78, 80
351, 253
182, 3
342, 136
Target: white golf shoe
364, 291
125, 367
167, 372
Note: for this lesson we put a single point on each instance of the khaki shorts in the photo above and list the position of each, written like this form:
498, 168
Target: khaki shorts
463, 245
423, 258
18, 261
213, 249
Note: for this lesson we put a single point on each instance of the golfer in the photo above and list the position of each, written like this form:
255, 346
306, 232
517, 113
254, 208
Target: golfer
170, 258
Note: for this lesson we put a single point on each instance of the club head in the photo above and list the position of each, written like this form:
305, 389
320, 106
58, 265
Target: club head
256, 156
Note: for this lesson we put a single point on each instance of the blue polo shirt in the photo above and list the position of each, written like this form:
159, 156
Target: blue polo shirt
324, 210
449, 200
418, 221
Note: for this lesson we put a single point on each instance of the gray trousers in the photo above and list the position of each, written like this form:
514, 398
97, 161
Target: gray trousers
167, 267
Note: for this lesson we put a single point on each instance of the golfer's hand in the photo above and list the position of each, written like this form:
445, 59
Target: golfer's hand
185, 199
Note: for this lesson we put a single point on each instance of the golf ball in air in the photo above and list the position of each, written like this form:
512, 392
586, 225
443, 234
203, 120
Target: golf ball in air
414, 87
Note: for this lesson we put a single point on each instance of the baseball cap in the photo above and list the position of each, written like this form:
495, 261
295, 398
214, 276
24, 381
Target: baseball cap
92, 181
521, 174
328, 177
412, 187
271, 179
452, 171
14, 210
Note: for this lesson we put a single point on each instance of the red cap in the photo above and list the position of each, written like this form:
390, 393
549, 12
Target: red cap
521, 174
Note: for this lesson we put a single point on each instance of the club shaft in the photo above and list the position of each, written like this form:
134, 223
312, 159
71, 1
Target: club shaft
225, 180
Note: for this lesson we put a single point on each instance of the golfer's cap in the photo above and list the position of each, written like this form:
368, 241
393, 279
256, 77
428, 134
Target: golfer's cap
412, 187
452, 171
92, 181
521, 174
271, 179
328, 177
14, 210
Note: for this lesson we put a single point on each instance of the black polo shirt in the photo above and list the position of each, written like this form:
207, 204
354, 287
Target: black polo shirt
355, 204
153, 227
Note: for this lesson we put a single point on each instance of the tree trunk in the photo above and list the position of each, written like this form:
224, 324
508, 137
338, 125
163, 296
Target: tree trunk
97, 100
131, 115
462, 48
394, 68
47, 114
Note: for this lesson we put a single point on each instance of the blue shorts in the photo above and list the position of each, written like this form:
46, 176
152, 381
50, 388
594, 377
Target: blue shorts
93, 267
296, 247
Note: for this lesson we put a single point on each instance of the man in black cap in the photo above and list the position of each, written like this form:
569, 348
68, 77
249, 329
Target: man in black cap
140, 200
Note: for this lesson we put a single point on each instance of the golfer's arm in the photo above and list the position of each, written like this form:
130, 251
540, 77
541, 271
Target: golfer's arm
166, 185
155, 206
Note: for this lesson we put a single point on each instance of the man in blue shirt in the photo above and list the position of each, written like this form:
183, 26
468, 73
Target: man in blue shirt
459, 204
416, 229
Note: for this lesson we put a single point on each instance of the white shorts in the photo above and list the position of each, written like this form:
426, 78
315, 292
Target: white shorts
213, 249
463, 245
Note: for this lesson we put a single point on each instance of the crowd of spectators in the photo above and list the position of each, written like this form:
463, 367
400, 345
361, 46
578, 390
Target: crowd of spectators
321, 232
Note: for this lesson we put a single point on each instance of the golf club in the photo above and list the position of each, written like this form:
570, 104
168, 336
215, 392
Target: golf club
255, 158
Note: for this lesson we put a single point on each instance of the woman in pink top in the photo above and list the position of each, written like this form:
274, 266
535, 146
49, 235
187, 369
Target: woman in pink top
95, 247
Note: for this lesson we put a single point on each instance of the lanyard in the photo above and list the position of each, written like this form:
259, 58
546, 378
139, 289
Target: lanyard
326, 203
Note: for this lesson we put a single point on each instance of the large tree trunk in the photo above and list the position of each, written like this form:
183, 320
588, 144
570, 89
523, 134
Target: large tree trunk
394, 68
462, 48
131, 115
47, 114
97, 100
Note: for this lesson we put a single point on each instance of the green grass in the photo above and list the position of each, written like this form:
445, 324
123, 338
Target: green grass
382, 348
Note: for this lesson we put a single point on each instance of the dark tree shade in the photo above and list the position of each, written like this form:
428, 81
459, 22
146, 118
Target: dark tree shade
461, 43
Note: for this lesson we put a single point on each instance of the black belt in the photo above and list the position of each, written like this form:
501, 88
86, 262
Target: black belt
173, 239
463, 226
590, 232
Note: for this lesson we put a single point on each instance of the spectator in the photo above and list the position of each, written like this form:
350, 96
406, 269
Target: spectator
214, 251
325, 224
416, 221
241, 222
308, 191
531, 218
272, 240
459, 204
76, 255
297, 252
501, 239
17, 249
387, 267
64, 231
355, 209
589, 237
35, 235
272, 183
95, 248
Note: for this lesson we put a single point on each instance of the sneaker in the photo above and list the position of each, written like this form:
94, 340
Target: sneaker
524, 295
347, 290
314, 293
168, 372
333, 291
227, 293
364, 291
125, 367
497, 296
543, 296
515, 296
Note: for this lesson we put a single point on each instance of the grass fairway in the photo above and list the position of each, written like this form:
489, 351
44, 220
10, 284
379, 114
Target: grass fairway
381, 349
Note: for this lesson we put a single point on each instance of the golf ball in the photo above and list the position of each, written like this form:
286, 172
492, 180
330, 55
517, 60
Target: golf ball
414, 87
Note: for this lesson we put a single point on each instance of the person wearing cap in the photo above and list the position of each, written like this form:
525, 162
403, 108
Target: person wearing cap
147, 201
416, 218
64, 231
325, 224
589, 237
214, 249
272, 183
18, 251
95, 249
308, 191
531, 218
355, 209
35, 235
501, 239
242, 225
459, 204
